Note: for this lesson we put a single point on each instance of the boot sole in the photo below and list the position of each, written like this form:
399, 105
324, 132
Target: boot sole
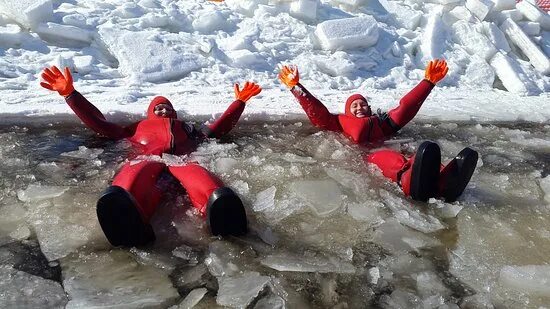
465, 162
425, 171
226, 214
120, 220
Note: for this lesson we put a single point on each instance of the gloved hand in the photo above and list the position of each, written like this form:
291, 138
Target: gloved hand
289, 76
54, 80
436, 70
249, 90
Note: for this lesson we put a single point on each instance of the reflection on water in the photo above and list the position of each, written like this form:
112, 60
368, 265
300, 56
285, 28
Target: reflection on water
327, 231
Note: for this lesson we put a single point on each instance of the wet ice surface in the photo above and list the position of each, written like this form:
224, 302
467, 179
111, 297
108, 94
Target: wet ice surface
326, 230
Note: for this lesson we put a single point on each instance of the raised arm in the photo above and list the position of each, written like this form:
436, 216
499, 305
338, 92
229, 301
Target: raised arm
55, 80
229, 119
317, 113
410, 104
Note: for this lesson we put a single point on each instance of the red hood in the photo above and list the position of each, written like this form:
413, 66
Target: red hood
350, 100
156, 101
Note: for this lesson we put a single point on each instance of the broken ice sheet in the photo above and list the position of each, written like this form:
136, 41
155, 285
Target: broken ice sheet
84, 153
23, 290
265, 199
115, 279
290, 262
322, 196
36, 192
409, 216
395, 237
241, 290
367, 212
193, 298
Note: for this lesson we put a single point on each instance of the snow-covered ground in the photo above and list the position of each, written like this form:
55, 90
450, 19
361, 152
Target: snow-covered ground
327, 231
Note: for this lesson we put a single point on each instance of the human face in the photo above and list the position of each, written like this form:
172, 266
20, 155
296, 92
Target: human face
164, 110
359, 108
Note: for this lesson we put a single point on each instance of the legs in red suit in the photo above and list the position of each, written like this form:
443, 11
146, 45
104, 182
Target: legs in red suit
125, 208
422, 176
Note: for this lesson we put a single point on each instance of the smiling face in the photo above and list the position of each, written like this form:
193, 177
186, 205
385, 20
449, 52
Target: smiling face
359, 108
164, 110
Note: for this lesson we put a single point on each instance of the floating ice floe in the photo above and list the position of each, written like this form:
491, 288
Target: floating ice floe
114, 279
84, 153
531, 279
288, 262
239, 291
36, 192
322, 196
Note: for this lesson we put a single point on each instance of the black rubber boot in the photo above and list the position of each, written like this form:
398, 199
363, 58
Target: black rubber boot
457, 174
120, 220
225, 213
425, 171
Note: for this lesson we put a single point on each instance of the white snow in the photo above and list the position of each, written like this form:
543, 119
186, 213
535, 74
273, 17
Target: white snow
347, 33
28, 13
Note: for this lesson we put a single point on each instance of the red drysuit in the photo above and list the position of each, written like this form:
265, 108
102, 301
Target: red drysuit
156, 135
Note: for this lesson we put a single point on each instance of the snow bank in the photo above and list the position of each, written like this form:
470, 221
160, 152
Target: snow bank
28, 13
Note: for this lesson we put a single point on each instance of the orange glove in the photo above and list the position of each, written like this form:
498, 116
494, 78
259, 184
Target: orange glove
289, 76
54, 80
436, 70
249, 90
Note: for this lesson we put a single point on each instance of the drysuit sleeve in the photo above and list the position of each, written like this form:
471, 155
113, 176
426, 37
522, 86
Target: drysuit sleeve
410, 104
317, 113
94, 119
226, 122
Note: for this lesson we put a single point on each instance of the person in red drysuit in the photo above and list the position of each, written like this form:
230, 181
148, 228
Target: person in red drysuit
421, 176
126, 207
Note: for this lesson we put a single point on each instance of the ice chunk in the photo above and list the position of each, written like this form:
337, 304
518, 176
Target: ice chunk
271, 302
450, 210
193, 298
304, 9
294, 158
511, 74
62, 33
13, 36
545, 186
531, 279
265, 199
534, 13
480, 8
514, 15
221, 259
462, 13
87, 277
20, 289
401, 299
66, 218
37, 192
288, 262
428, 284
495, 35
186, 253
84, 153
83, 64
407, 16
530, 28
12, 219
474, 42
396, 238
28, 13
409, 216
347, 33
359, 184
225, 165
501, 5
147, 56
240, 291
209, 21
373, 274
537, 58
434, 38
478, 74
367, 211
322, 196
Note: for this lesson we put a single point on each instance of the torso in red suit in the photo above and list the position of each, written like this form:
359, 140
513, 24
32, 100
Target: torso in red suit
156, 135
373, 128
